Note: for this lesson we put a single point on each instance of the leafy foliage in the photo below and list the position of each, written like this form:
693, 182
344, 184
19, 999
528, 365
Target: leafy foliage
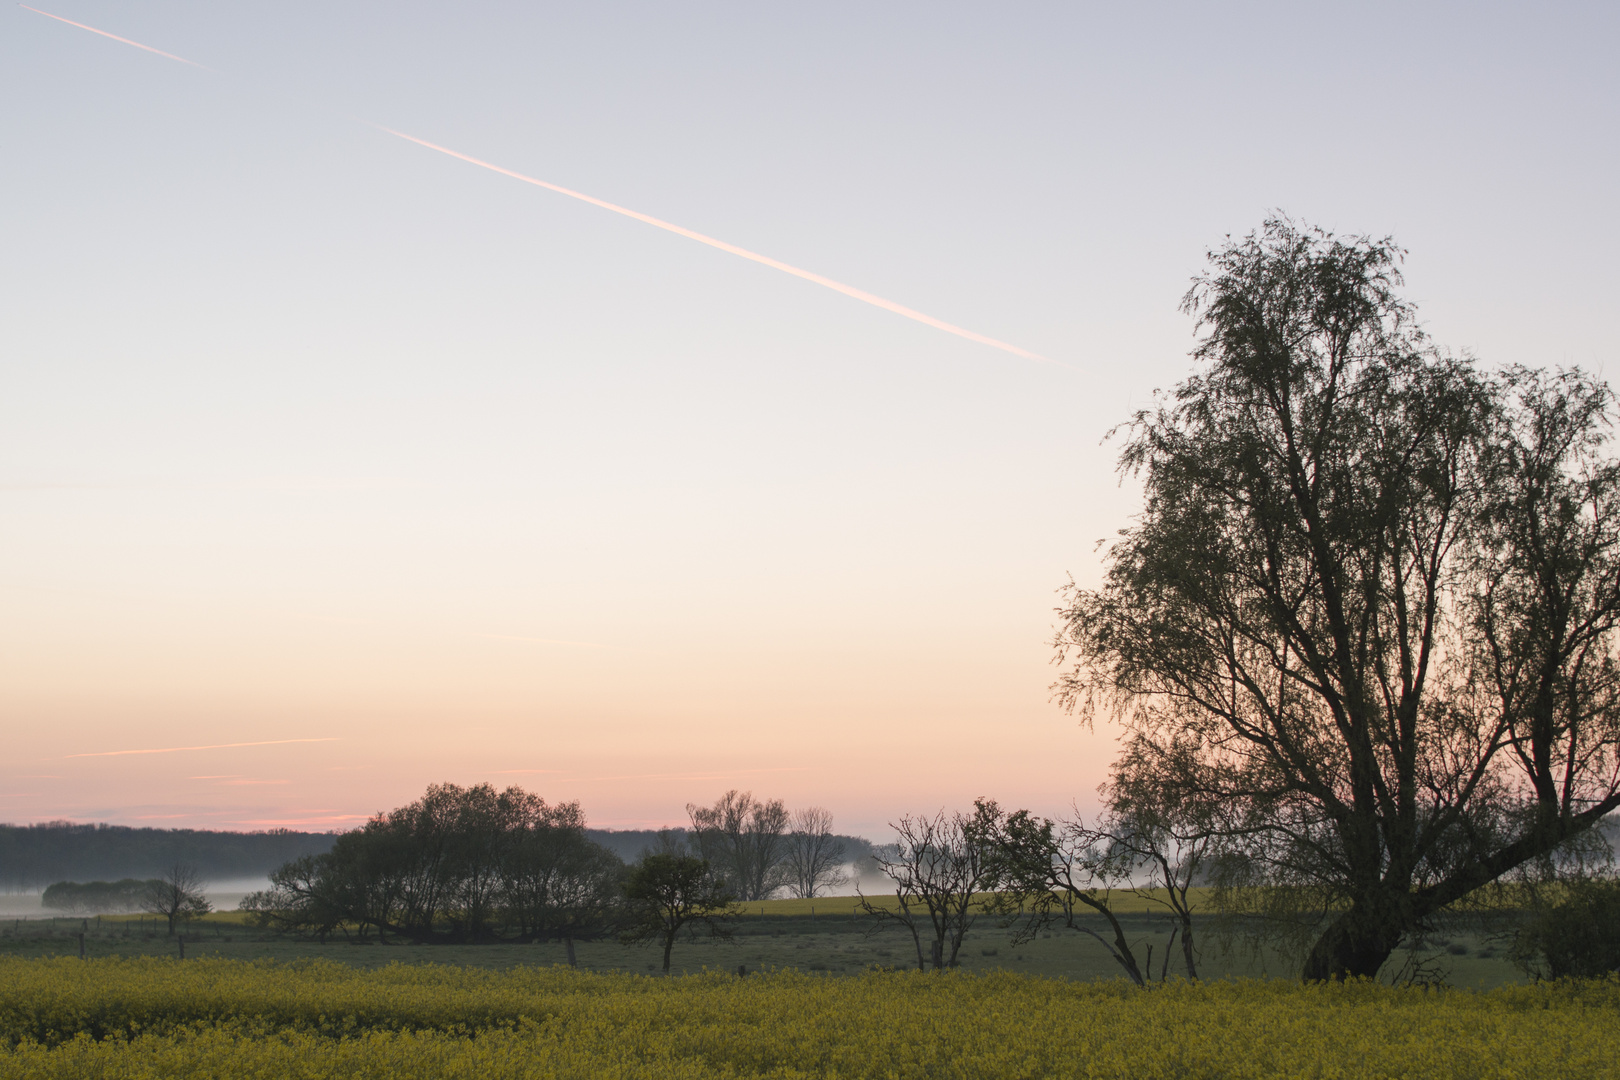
671, 892
97, 897
1575, 935
459, 864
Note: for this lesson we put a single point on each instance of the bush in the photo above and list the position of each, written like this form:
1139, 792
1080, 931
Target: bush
1579, 936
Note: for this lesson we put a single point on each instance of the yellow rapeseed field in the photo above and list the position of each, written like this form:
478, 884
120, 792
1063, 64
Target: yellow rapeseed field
160, 1018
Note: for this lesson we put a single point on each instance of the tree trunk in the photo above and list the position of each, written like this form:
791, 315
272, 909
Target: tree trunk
1355, 945
568, 942
669, 943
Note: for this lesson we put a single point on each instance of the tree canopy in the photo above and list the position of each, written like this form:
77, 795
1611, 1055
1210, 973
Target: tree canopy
458, 864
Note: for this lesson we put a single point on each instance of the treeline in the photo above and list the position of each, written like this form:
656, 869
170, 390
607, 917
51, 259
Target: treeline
98, 897
476, 864
628, 844
33, 856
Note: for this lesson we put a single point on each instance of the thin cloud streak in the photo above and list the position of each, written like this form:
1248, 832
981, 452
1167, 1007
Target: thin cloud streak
766, 260
719, 775
115, 37
215, 746
544, 640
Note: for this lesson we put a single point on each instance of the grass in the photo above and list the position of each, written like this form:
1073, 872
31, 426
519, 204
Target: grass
777, 935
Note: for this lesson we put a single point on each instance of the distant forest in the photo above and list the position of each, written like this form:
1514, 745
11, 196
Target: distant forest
34, 856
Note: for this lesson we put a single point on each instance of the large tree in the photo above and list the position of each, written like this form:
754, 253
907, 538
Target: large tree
1370, 605
745, 840
814, 858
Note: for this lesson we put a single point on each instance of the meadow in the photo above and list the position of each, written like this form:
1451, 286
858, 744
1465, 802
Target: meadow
824, 936
161, 1017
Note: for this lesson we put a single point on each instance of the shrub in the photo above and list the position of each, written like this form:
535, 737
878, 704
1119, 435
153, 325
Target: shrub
1578, 936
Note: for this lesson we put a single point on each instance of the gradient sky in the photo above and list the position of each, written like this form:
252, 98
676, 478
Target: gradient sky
310, 433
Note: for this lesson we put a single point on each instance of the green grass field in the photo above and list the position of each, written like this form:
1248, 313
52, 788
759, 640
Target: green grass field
774, 935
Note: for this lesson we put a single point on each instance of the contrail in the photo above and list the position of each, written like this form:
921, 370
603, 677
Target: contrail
115, 37
215, 746
754, 256
836, 286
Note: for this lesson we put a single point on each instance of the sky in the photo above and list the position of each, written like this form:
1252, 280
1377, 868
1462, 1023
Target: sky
332, 466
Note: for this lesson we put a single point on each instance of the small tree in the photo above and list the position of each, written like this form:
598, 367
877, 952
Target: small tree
1062, 874
815, 857
939, 867
670, 892
1167, 846
176, 894
1061, 871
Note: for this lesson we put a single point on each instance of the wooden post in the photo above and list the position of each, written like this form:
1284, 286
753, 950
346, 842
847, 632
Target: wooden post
742, 970
182, 939
568, 942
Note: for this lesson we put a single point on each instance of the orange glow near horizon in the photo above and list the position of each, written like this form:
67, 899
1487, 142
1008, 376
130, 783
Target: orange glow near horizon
762, 541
